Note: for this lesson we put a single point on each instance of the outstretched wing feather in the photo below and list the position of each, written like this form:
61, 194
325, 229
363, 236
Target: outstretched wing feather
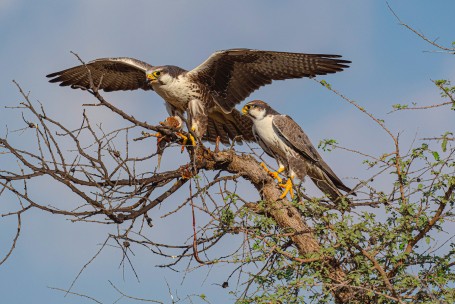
109, 74
232, 75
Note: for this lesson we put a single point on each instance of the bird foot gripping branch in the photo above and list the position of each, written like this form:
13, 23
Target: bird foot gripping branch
274, 174
162, 139
174, 122
287, 188
185, 140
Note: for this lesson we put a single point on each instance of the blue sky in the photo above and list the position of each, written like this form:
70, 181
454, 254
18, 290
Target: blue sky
389, 66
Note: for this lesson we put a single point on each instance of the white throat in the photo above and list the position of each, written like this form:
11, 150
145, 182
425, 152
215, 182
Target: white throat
174, 91
263, 126
264, 129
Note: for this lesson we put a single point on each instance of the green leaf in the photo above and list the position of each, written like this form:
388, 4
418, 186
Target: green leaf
444, 144
327, 144
326, 84
227, 217
440, 82
436, 155
444, 141
400, 106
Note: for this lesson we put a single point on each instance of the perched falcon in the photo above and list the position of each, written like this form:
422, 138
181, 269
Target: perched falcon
209, 92
283, 139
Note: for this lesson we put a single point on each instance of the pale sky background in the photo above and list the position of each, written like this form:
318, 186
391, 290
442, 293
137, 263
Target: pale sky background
389, 66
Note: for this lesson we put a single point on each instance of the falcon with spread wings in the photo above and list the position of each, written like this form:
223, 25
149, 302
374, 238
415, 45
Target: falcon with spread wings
283, 139
209, 92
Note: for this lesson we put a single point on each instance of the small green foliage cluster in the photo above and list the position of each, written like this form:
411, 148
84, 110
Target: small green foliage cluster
327, 144
325, 84
400, 106
447, 90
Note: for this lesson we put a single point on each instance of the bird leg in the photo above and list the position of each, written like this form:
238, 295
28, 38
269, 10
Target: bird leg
175, 122
287, 188
185, 140
273, 174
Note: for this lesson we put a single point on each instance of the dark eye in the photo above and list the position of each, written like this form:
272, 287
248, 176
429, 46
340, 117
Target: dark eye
157, 73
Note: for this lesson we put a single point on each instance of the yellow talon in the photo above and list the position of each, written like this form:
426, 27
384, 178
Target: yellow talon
193, 140
287, 188
185, 140
275, 174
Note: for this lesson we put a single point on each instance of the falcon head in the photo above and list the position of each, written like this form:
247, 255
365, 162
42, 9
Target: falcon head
156, 75
163, 75
257, 110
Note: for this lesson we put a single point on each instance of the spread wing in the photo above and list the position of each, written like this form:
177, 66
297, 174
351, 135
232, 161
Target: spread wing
115, 74
232, 75
297, 139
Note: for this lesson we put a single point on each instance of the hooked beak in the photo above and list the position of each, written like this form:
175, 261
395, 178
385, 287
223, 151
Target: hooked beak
150, 77
245, 109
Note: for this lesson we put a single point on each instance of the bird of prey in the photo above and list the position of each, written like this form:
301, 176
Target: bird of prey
209, 92
283, 139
